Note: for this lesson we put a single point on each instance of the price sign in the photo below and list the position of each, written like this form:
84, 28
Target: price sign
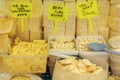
21, 10
58, 14
86, 10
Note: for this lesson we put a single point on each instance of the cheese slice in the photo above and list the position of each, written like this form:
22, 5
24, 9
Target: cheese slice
6, 25
115, 10
114, 42
113, 33
4, 39
114, 23
115, 2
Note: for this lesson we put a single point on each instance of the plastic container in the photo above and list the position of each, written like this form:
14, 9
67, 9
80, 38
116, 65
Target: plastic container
25, 64
52, 38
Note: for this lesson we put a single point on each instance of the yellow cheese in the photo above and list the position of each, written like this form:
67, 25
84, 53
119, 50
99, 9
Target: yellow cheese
20, 78
113, 77
35, 35
71, 6
6, 25
114, 42
104, 31
37, 8
113, 33
3, 8
4, 39
24, 36
33, 23
115, 10
115, 2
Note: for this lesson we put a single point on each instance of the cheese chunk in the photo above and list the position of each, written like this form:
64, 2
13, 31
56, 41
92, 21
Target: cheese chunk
115, 10
114, 23
6, 25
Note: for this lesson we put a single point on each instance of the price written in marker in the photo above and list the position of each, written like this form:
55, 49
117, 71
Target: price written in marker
21, 10
58, 14
86, 10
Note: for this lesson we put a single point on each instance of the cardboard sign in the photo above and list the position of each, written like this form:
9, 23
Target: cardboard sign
58, 14
86, 10
21, 10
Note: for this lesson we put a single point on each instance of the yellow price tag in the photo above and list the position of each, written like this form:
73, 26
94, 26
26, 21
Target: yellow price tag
58, 14
21, 10
87, 10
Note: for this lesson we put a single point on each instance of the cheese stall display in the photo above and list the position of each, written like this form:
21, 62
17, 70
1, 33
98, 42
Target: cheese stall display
99, 22
48, 39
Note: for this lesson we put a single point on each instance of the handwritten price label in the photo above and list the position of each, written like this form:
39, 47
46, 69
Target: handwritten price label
58, 14
21, 10
86, 10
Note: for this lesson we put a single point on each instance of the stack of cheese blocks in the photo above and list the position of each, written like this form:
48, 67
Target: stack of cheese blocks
114, 18
64, 28
99, 22
32, 26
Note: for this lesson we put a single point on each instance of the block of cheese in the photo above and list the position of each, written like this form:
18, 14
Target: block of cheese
6, 25
82, 24
47, 22
24, 36
115, 10
36, 8
71, 6
33, 23
71, 22
103, 7
35, 35
115, 2
104, 31
3, 8
114, 23
4, 43
100, 21
114, 42
70, 32
113, 33
82, 33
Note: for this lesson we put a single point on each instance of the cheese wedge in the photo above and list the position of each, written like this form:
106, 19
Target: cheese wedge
115, 10
6, 25
114, 42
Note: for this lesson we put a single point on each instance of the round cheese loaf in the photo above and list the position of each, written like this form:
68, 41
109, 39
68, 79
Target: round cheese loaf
114, 42
114, 23
114, 2
115, 11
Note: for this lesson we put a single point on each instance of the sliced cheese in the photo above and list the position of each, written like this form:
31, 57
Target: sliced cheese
114, 42
6, 25
4, 39
115, 10
114, 23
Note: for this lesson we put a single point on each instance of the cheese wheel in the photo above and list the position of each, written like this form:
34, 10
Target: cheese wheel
115, 10
114, 23
114, 2
113, 33
6, 25
114, 42
4, 43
